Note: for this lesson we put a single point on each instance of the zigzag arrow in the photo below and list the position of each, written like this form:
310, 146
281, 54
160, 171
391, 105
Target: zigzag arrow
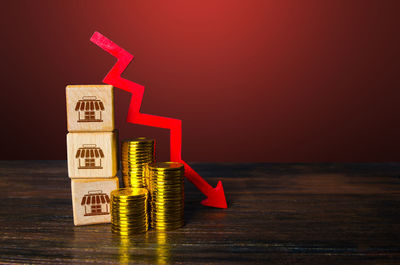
215, 196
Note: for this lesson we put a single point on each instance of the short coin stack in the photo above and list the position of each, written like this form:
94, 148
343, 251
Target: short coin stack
129, 213
166, 185
136, 153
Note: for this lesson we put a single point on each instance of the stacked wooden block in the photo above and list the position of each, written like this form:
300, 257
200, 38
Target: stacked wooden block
92, 151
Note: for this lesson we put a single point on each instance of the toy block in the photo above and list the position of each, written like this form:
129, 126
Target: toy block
91, 200
92, 154
90, 108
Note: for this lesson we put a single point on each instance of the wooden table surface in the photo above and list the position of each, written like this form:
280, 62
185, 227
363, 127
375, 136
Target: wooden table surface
278, 214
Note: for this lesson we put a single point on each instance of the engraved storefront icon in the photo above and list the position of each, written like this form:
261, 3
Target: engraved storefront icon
89, 109
89, 157
96, 202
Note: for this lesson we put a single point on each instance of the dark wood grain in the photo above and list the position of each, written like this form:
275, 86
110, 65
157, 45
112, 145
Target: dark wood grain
278, 214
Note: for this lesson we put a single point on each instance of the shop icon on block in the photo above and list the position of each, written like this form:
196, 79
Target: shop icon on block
89, 109
96, 203
92, 154
91, 200
89, 157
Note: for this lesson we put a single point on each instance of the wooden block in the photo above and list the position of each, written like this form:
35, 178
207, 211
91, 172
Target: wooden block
90, 108
92, 154
91, 200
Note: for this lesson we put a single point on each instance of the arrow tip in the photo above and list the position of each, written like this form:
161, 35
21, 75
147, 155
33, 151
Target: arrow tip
217, 198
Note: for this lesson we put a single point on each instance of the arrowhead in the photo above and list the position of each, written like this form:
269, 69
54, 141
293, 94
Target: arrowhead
217, 198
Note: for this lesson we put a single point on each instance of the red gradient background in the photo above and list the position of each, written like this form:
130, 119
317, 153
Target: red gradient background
277, 81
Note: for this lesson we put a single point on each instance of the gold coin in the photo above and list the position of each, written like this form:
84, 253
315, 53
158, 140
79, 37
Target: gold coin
163, 166
127, 192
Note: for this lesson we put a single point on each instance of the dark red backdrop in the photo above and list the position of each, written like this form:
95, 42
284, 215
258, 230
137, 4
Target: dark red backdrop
275, 81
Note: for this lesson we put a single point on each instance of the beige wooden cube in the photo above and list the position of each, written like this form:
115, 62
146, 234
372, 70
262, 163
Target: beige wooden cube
91, 200
92, 154
90, 108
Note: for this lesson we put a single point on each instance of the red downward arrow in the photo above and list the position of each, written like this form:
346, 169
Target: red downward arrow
215, 196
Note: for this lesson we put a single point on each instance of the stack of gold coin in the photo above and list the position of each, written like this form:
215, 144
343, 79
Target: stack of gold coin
136, 153
129, 213
166, 185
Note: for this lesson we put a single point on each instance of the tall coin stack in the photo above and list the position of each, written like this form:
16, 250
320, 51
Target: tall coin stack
136, 154
166, 185
129, 213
